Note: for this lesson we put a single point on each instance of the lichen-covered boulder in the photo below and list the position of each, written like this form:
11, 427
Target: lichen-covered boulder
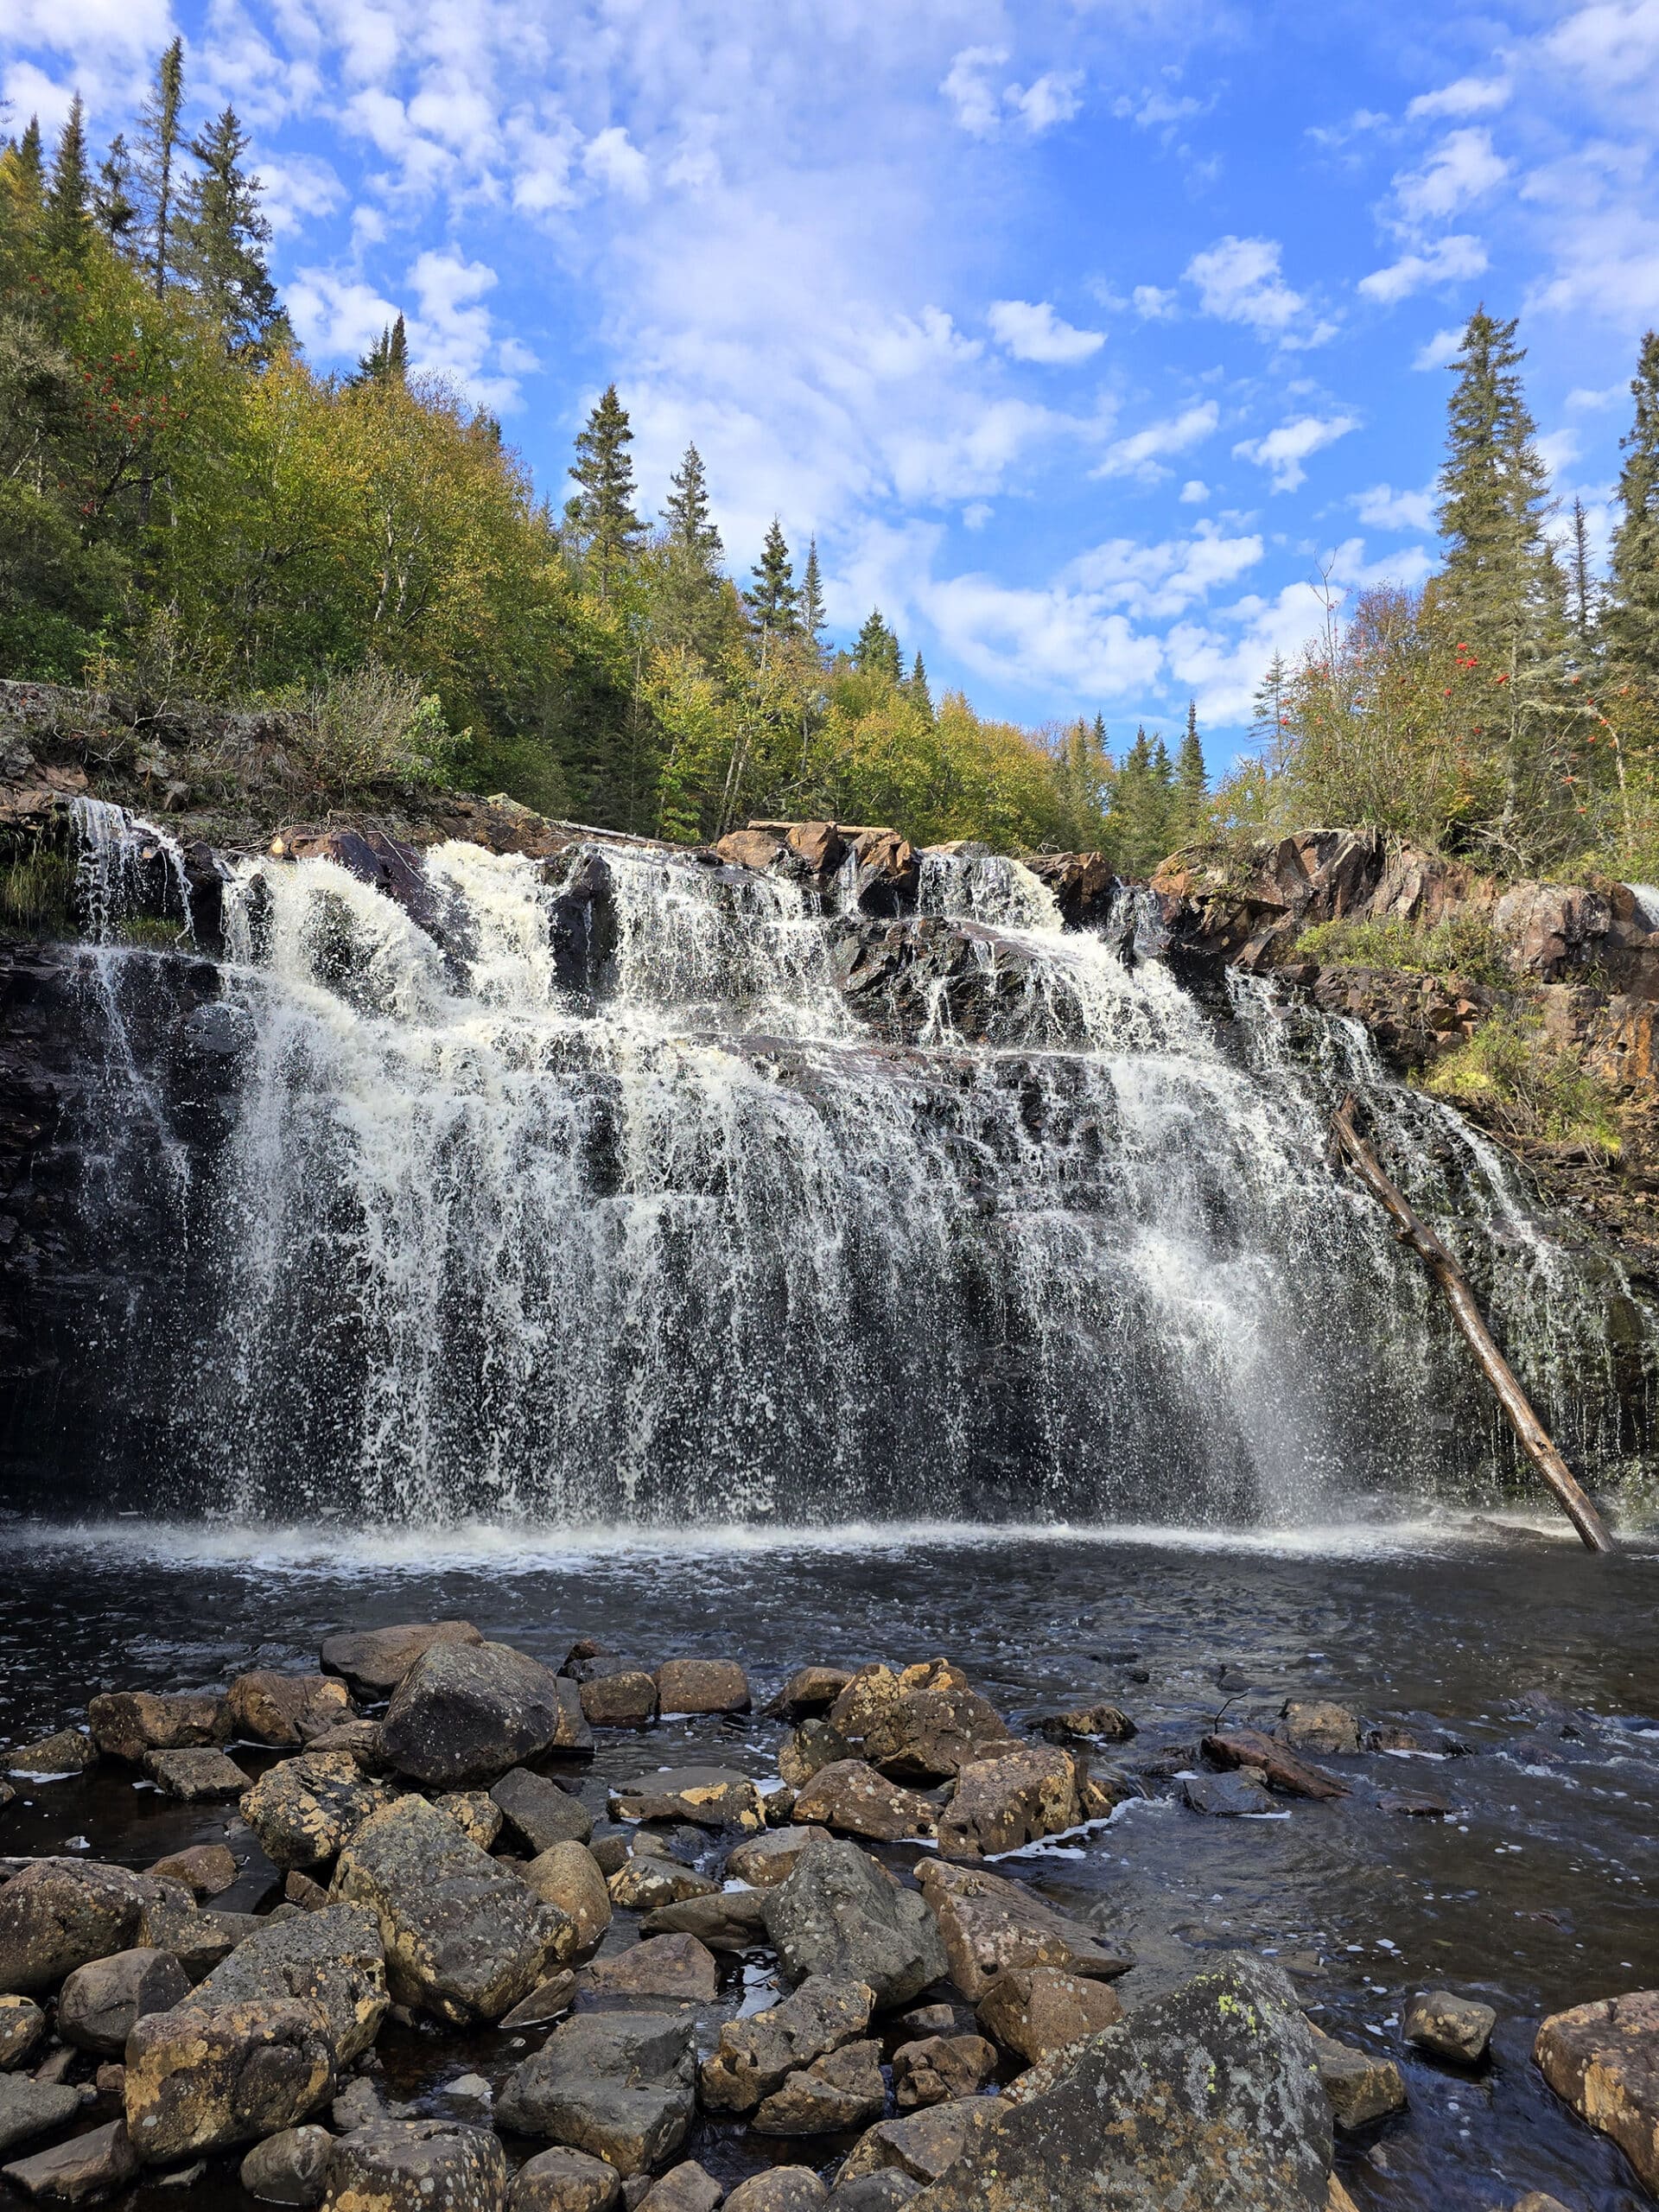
52, 1759
841, 1915
206, 2080
1035, 2010
21, 2026
566, 1875
922, 2146
125, 1723
990, 1923
845, 2089
333, 1959
99, 2001
77, 2173
290, 2167
1361, 2086
619, 2085
757, 2054
702, 1685
852, 1798
1009, 1798
305, 1809
538, 1814
198, 1776
1209, 2096
937, 2069
708, 1797
465, 1713
30, 2108
1458, 2028
667, 1970
1604, 2060
416, 2165
287, 1710
463, 1934
59, 1913
564, 2180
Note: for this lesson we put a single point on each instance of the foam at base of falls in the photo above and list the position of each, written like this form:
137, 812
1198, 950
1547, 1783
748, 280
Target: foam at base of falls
688, 1246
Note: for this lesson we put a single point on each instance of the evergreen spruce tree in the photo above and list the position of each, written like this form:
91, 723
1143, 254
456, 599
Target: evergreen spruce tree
387, 360
222, 234
773, 601
159, 139
1583, 593
69, 222
1632, 619
1192, 782
601, 511
1141, 805
917, 687
115, 209
690, 533
811, 604
876, 649
29, 164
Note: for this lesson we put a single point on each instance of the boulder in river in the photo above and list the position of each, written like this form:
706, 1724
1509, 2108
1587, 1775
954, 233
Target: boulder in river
619, 2085
125, 1723
374, 1661
333, 1959
287, 1710
845, 2089
780, 2189
1104, 1724
59, 1913
564, 2180
698, 1686
1226, 1796
1603, 2059
198, 1777
31, 2108
685, 2188
1361, 2088
538, 1813
75, 2172
1208, 2096
852, 1798
936, 2068
1317, 1724
21, 2026
809, 1690
1035, 2010
1009, 1798
664, 1970
708, 1797
99, 2001
465, 1713
418, 2165
53, 1758
758, 2052
933, 1726
646, 1884
766, 1860
304, 1809
806, 1750
841, 1915
475, 1813
205, 1869
921, 2147
624, 1699
729, 1920
206, 2080
989, 1925
566, 1875
1249, 1751
290, 2167
1457, 2028
464, 1937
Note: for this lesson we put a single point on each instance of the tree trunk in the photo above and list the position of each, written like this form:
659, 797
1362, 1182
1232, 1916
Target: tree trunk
1530, 1433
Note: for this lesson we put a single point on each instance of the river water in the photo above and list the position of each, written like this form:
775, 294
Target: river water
1533, 1890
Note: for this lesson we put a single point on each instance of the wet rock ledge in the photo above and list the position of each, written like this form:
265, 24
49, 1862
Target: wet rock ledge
812, 1988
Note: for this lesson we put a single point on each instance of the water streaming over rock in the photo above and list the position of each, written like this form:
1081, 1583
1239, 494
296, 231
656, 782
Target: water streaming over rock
705, 1221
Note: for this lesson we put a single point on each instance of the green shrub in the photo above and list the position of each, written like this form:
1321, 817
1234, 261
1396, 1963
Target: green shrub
371, 725
37, 893
1513, 1077
1462, 946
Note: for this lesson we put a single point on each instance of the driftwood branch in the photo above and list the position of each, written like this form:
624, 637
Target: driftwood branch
1530, 1433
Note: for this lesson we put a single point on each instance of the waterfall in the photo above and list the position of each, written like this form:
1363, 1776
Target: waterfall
706, 1234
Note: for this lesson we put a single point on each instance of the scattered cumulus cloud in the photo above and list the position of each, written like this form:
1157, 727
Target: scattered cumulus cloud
1282, 452
983, 107
1153, 304
1194, 492
1439, 351
1242, 280
1384, 508
612, 161
1448, 260
1467, 95
1033, 332
1464, 167
1140, 454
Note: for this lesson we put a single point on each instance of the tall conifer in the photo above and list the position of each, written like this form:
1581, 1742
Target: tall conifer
222, 233
685, 511
811, 606
876, 650
115, 209
1632, 620
602, 509
160, 137
1191, 781
68, 195
772, 599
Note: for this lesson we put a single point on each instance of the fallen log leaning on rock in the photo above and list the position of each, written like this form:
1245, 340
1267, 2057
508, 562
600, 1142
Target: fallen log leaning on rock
1530, 1433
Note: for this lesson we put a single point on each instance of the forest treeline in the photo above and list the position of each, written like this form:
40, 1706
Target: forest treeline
187, 508
1510, 709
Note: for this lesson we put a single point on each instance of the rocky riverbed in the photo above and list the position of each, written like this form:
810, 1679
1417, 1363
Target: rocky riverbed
637, 1882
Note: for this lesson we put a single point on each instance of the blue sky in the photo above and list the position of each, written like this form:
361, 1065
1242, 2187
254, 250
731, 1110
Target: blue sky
1086, 334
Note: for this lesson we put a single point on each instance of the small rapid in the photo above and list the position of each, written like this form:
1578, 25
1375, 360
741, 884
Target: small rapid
688, 1231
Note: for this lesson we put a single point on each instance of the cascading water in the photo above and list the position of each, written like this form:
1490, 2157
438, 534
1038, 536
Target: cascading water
691, 1237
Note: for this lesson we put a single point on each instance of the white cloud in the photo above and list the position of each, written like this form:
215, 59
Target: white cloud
982, 108
1154, 305
1033, 332
614, 162
1046, 100
1283, 451
1154, 109
1614, 44
967, 85
1194, 492
336, 315
1384, 508
1240, 280
1447, 261
976, 514
1583, 401
1464, 167
298, 187
1439, 351
1138, 454
1467, 95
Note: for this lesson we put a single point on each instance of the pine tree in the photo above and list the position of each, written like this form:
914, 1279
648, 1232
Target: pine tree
1632, 620
601, 513
773, 601
811, 604
917, 687
67, 217
222, 233
387, 360
30, 166
1269, 708
1191, 783
114, 208
1583, 592
1138, 821
876, 650
159, 129
690, 533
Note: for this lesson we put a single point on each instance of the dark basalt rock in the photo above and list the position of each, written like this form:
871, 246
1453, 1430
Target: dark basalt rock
841, 1915
464, 1713
617, 2085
